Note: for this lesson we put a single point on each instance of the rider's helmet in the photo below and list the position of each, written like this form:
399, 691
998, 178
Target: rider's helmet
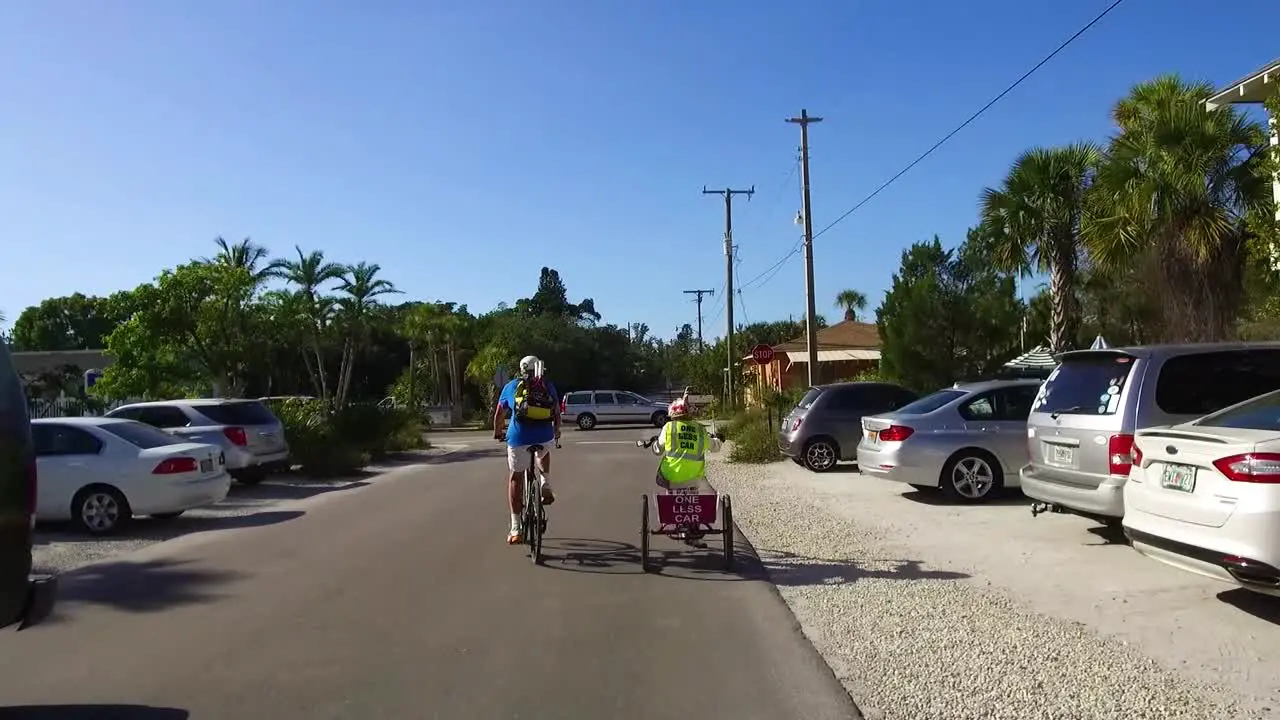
529, 365
678, 408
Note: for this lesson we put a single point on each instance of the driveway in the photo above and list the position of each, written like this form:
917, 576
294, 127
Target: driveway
401, 600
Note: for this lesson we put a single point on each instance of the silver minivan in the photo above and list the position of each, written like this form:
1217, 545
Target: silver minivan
589, 408
1080, 432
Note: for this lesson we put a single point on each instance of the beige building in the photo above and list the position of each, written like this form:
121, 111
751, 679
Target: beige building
844, 350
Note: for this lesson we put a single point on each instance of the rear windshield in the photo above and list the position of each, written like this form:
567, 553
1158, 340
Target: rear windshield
929, 403
1260, 413
240, 413
809, 398
1085, 386
143, 436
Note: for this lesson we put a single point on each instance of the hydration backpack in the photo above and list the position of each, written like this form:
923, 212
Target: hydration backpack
533, 401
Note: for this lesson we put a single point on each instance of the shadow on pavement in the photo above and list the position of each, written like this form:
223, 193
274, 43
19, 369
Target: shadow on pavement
1263, 607
1007, 496
91, 712
1110, 535
471, 453
137, 587
158, 530
292, 489
789, 569
668, 558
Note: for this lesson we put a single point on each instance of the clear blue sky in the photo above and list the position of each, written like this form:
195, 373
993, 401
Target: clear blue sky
449, 141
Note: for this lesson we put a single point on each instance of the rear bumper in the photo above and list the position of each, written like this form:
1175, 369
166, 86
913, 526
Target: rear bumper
1243, 551
1106, 500
42, 593
788, 445
241, 459
893, 464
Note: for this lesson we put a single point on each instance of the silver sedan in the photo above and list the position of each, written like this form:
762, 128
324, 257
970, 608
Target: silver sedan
969, 440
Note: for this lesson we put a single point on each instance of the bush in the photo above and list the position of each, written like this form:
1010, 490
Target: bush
328, 443
753, 441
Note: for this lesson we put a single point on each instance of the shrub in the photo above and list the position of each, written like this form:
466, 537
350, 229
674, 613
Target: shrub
329, 443
752, 439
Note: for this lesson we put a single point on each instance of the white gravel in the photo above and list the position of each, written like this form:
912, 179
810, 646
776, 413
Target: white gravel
915, 640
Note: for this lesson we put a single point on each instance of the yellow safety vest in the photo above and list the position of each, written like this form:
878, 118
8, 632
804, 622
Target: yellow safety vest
684, 452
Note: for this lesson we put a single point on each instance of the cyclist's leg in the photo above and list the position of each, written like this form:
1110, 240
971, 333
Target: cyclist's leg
517, 463
544, 473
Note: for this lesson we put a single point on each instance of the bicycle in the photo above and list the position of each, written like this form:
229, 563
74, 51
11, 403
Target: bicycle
534, 516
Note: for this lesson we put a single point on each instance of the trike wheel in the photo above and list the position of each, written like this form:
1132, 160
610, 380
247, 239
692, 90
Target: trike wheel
644, 533
726, 520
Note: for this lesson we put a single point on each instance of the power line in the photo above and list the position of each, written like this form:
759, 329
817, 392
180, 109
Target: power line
775, 268
741, 303
951, 134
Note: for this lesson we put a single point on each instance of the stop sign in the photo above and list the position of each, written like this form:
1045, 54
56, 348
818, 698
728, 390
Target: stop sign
762, 354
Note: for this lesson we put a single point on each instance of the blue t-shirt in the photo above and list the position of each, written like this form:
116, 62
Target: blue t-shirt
520, 433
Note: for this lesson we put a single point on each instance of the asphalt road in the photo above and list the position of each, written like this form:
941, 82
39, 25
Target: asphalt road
402, 600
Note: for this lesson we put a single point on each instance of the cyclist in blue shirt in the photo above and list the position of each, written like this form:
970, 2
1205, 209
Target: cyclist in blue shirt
534, 407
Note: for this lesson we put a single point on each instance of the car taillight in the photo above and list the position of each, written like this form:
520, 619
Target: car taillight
236, 435
1137, 455
796, 425
169, 466
29, 481
1251, 467
895, 433
1120, 454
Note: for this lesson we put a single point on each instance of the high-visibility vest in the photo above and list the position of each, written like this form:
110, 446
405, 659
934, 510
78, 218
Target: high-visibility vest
684, 452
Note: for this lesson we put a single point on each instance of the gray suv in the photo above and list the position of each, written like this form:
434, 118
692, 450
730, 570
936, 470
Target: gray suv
1080, 432
826, 426
588, 408
250, 436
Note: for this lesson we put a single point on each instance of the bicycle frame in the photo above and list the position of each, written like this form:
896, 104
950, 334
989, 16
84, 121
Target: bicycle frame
534, 514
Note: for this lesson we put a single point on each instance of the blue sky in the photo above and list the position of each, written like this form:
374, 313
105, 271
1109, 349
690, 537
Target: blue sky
463, 145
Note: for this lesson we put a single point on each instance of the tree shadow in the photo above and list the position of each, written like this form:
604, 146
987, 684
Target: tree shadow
137, 587
467, 454
299, 488
160, 530
91, 712
933, 496
1263, 607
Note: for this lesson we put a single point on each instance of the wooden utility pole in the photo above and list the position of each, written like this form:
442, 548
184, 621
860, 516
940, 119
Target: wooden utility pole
728, 279
810, 310
698, 299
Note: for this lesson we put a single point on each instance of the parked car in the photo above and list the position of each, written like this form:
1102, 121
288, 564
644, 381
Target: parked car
246, 431
1080, 432
826, 426
969, 440
101, 472
589, 408
1204, 496
25, 599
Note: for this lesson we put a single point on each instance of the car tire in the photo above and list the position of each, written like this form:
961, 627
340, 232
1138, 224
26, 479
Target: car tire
971, 476
249, 476
586, 421
659, 419
167, 515
100, 510
821, 455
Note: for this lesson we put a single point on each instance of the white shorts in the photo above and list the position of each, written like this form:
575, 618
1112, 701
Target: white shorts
518, 457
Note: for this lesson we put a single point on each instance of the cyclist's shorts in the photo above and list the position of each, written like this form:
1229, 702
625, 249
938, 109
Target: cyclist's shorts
518, 457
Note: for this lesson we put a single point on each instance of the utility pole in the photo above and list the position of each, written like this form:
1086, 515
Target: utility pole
728, 278
698, 300
811, 312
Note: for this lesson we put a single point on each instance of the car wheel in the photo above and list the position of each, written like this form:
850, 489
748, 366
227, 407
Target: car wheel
659, 419
249, 476
168, 515
971, 476
100, 510
820, 455
586, 421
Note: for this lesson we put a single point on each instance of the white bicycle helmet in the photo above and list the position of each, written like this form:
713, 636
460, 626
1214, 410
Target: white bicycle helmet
530, 364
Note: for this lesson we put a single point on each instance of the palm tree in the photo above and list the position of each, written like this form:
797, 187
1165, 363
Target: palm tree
244, 254
309, 273
1177, 186
358, 308
1033, 223
851, 302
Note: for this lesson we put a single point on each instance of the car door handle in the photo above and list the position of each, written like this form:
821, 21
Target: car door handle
989, 430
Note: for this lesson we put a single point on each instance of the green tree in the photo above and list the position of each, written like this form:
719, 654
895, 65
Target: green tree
1178, 186
309, 274
851, 302
73, 322
948, 316
358, 311
245, 254
1032, 222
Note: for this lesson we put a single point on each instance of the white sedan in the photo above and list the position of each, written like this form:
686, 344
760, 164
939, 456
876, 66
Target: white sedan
1204, 496
101, 472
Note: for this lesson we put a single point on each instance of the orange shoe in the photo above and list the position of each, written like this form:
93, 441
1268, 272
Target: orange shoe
514, 537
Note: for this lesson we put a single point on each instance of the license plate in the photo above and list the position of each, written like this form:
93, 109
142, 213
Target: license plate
1179, 477
206, 465
1063, 455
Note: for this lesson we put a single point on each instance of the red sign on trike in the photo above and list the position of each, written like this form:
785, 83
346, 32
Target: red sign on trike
687, 509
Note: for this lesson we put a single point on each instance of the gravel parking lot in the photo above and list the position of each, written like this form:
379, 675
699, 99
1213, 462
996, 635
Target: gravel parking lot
60, 548
929, 610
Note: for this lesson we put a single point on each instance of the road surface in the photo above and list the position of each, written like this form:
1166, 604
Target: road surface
402, 600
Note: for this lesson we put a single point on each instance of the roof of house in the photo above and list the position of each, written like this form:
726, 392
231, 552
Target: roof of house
846, 334
38, 361
1250, 88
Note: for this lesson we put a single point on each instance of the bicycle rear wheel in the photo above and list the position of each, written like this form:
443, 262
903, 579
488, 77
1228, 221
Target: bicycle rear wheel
533, 515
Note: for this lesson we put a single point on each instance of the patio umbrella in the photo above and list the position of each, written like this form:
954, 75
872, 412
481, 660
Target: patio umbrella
1037, 358
1099, 344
